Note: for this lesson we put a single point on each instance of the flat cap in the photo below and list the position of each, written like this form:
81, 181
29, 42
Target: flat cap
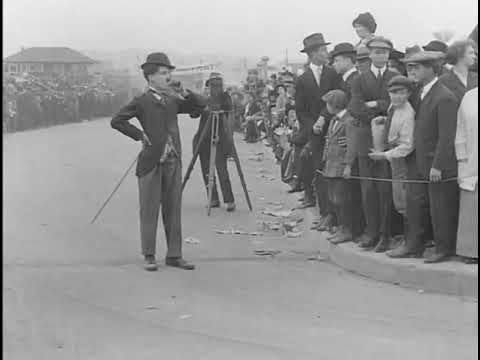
379, 42
400, 82
363, 53
336, 98
419, 57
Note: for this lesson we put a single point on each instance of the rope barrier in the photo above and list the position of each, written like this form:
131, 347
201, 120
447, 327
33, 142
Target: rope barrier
399, 180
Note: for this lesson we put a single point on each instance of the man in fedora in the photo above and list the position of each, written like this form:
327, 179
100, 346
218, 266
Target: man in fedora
159, 165
433, 160
222, 100
311, 86
369, 100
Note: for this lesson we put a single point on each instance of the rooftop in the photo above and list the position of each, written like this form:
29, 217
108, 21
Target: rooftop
62, 55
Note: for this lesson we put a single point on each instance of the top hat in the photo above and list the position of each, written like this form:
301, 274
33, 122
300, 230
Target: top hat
400, 82
418, 57
312, 41
436, 45
343, 48
158, 59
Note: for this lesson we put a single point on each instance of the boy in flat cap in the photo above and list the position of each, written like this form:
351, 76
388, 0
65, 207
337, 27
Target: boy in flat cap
398, 138
159, 165
370, 99
433, 160
339, 188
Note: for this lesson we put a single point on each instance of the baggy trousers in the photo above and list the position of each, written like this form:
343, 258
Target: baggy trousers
222, 171
340, 196
162, 186
377, 197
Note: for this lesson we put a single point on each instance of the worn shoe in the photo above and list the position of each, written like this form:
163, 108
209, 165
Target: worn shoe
180, 263
150, 263
402, 252
215, 204
383, 245
231, 207
327, 224
368, 243
436, 258
306, 204
342, 237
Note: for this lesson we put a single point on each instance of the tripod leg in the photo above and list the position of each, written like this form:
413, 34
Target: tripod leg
242, 178
213, 154
196, 152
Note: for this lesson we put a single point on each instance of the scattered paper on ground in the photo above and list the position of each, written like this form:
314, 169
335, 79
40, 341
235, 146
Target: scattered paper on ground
186, 316
294, 234
267, 252
277, 213
191, 240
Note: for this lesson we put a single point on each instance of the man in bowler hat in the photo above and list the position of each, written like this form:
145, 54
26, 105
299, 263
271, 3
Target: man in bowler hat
159, 165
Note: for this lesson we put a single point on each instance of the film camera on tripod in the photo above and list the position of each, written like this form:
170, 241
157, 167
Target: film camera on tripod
214, 143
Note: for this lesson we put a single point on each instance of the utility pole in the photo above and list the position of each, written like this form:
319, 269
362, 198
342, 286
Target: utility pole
286, 57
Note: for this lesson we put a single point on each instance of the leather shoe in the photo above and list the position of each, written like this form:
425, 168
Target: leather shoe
180, 263
306, 204
436, 258
402, 252
327, 224
150, 263
382, 245
342, 237
368, 242
231, 207
296, 188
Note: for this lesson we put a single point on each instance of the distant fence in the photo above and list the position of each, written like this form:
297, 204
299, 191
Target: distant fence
28, 110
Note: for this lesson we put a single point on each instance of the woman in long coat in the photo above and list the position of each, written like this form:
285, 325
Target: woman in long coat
466, 147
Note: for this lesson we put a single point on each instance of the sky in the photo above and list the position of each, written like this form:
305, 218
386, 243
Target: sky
239, 28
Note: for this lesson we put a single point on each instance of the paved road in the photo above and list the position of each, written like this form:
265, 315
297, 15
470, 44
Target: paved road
78, 291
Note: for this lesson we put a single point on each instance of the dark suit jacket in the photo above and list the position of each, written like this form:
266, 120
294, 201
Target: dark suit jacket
453, 83
158, 120
434, 135
309, 104
225, 129
366, 87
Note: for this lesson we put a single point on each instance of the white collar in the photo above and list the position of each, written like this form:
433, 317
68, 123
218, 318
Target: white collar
316, 68
426, 88
375, 69
341, 114
348, 73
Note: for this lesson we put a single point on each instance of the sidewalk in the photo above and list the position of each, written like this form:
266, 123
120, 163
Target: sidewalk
452, 277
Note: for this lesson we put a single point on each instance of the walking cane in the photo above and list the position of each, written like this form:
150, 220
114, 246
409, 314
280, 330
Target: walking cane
114, 190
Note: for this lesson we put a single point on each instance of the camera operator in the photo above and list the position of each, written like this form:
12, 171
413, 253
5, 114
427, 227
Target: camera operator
219, 100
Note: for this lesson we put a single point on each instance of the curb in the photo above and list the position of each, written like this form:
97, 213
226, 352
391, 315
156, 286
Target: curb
452, 278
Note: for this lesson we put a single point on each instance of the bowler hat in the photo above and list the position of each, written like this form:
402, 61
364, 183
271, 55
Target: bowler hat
367, 20
418, 57
436, 45
158, 59
400, 82
213, 76
343, 48
312, 41
337, 98
363, 53
379, 42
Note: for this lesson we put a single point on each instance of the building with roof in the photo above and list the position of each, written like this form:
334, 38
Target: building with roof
48, 61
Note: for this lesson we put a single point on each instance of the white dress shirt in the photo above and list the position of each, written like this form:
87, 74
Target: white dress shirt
317, 71
375, 70
348, 73
400, 135
426, 88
